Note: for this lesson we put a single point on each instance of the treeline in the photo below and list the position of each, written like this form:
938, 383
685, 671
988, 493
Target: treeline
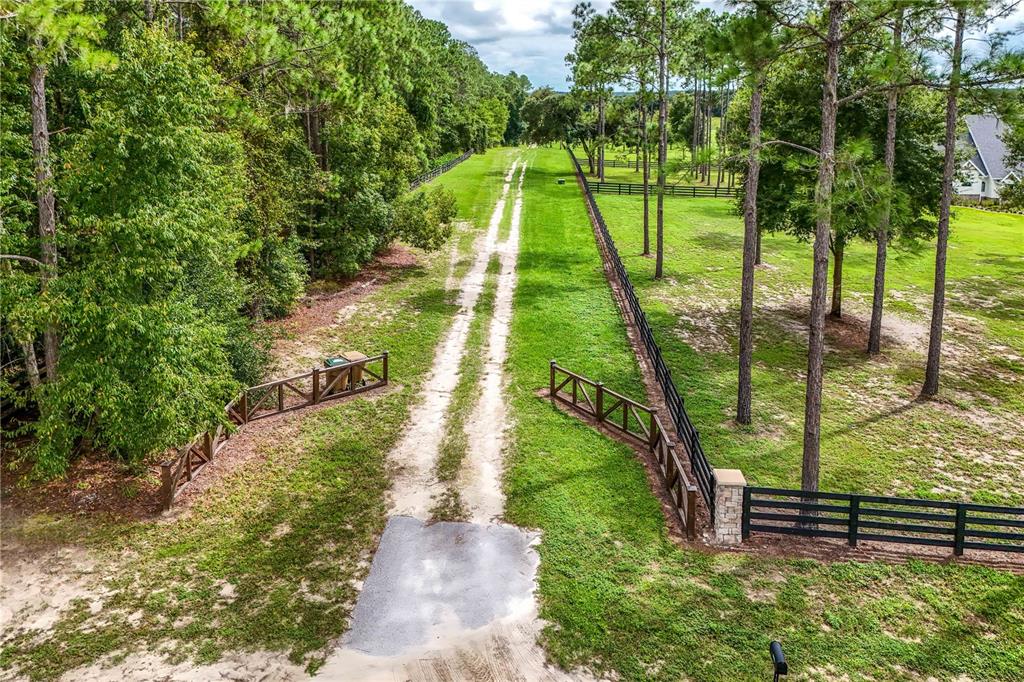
174, 173
843, 118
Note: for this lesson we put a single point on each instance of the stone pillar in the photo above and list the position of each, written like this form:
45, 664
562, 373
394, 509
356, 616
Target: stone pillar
729, 506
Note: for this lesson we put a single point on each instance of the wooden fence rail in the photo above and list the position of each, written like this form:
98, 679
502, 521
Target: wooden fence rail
439, 170
639, 422
854, 517
257, 402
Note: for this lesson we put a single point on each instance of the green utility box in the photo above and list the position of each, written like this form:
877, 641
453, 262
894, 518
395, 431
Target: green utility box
349, 363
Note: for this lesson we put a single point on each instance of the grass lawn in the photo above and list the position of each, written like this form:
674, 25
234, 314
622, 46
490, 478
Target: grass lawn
678, 156
623, 598
876, 436
270, 557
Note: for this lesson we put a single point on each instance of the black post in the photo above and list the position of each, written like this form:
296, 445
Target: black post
961, 529
854, 519
745, 524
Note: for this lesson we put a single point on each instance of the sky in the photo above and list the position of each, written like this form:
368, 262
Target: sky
532, 37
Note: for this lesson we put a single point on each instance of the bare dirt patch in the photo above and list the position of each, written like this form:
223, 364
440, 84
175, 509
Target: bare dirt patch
480, 477
415, 486
93, 484
320, 309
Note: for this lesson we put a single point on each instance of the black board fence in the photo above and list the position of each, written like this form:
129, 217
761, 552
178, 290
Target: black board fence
443, 168
852, 517
703, 474
692, 191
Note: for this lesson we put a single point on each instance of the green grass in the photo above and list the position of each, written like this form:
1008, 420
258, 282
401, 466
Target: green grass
678, 161
291, 530
622, 598
877, 437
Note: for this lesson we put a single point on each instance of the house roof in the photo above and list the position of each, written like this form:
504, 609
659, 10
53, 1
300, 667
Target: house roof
985, 134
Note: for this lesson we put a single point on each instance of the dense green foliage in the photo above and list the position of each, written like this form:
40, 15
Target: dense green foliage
206, 159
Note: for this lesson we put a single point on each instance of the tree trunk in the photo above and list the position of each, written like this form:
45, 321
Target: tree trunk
823, 202
743, 399
590, 155
882, 237
46, 204
28, 350
931, 375
837, 277
647, 178
696, 131
600, 139
639, 130
659, 263
148, 11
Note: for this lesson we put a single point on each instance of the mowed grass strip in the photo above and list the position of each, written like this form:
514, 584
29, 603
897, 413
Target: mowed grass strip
268, 558
622, 598
877, 437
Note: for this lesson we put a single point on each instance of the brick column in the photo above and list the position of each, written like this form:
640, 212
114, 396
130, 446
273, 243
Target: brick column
729, 506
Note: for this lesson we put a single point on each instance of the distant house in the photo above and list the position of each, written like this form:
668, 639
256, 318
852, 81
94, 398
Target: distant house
986, 172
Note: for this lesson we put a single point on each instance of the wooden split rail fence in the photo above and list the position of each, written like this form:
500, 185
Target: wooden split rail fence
434, 172
639, 422
853, 517
257, 402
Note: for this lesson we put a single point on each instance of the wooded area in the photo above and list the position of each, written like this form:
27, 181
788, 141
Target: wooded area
851, 112
175, 173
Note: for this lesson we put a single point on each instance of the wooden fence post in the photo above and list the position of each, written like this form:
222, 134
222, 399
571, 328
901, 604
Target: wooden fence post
166, 486
243, 402
316, 384
653, 442
551, 390
600, 402
280, 397
691, 513
208, 446
385, 368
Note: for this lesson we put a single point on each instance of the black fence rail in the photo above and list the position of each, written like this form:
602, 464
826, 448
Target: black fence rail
852, 517
618, 163
703, 474
692, 191
434, 172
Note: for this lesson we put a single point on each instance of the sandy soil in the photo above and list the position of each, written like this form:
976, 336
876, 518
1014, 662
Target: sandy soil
415, 483
37, 585
480, 477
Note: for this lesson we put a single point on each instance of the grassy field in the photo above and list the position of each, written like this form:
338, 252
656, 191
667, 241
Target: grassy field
877, 437
678, 156
270, 557
622, 598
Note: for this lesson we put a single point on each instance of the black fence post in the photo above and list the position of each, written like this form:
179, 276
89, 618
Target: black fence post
745, 523
961, 529
854, 520
600, 402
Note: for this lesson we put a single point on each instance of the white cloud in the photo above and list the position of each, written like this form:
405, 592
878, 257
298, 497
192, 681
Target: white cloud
534, 36
525, 36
